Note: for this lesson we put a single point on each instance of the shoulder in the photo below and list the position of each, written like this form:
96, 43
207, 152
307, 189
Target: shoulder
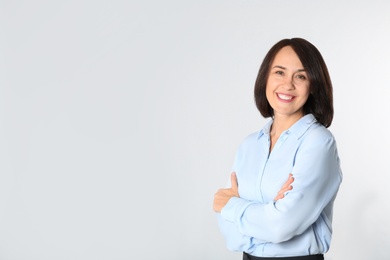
318, 130
317, 134
249, 142
249, 139
252, 136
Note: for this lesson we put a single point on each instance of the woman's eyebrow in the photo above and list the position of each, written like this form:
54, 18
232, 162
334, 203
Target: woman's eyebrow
284, 68
278, 66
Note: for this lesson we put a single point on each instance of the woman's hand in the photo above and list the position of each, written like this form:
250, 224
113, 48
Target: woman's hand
222, 196
286, 187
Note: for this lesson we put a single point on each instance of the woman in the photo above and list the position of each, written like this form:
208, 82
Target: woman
261, 214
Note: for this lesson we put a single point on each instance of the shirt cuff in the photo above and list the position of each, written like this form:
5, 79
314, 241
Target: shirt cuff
234, 208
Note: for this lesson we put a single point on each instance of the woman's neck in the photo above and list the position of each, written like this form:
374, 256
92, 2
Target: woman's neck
279, 125
282, 123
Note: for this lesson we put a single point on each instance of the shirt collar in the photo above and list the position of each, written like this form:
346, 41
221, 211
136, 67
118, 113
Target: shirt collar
298, 129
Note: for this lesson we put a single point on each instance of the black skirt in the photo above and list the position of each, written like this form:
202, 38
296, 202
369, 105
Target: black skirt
306, 257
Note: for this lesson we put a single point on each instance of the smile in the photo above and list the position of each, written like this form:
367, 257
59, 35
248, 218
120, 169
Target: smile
285, 97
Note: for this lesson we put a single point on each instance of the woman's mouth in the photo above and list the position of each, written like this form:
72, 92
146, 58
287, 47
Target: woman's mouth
284, 97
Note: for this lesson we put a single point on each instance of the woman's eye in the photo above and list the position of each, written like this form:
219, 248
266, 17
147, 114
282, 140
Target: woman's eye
301, 77
279, 72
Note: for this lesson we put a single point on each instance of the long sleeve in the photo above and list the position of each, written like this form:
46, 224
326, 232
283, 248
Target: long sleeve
301, 222
235, 240
317, 178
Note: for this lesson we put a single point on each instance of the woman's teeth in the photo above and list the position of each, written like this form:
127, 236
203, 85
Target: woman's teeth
285, 97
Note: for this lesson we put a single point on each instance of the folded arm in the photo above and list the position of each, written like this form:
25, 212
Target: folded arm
240, 242
317, 178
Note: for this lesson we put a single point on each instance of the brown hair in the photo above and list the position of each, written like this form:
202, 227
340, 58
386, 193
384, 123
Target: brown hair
320, 101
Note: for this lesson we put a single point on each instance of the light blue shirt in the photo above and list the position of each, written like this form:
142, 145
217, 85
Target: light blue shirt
301, 222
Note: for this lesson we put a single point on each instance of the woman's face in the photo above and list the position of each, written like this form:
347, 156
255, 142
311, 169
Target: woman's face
288, 85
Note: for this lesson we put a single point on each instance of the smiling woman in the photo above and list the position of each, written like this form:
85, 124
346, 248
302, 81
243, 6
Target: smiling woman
310, 60
288, 87
262, 214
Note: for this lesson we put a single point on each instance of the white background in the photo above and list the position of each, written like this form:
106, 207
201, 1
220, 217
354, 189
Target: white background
120, 119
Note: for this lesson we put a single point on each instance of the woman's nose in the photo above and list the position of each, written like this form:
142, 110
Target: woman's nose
289, 83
